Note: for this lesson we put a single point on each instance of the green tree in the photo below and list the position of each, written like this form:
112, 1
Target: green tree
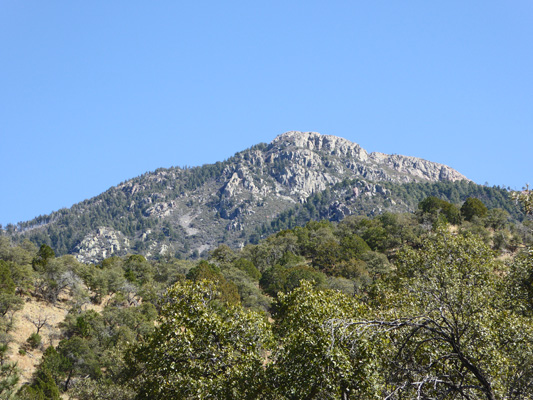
497, 218
319, 354
353, 246
247, 266
44, 255
79, 357
9, 374
199, 351
42, 388
452, 334
9, 302
473, 207
525, 198
227, 291
434, 207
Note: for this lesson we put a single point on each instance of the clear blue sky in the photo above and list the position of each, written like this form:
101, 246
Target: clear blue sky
93, 93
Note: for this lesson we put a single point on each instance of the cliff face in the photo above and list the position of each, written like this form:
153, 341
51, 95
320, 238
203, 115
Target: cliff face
340, 156
180, 212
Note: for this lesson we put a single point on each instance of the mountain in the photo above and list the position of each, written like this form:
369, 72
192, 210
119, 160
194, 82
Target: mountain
299, 176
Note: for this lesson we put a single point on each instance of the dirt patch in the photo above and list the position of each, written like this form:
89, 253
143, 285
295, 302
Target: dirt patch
24, 326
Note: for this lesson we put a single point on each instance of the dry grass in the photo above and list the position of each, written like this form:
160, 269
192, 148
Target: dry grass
23, 327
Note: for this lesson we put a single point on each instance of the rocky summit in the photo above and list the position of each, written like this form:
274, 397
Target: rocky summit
187, 211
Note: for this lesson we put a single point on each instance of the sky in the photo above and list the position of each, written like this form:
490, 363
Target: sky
95, 93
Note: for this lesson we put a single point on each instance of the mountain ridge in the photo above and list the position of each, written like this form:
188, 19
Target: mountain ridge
187, 211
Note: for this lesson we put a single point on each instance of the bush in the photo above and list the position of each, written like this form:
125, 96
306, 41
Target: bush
34, 340
473, 207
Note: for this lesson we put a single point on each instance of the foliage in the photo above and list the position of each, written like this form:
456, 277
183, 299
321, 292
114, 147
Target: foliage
316, 357
450, 332
199, 351
525, 198
434, 206
247, 266
279, 279
34, 340
42, 388
9, 374
360, 308
473, 207
227, 290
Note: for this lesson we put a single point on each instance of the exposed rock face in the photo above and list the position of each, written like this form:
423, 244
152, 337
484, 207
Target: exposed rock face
101, 244
313, 150
161, 209
417, 168
322, 143
181, 211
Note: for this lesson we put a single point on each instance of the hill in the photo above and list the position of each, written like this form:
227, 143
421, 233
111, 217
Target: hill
299, 176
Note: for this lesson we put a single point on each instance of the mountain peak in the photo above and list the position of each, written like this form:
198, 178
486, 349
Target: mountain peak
317, 142
412, 168
190, 211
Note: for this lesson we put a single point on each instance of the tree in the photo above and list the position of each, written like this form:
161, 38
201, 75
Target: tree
497, 218
282, 279
473, 207
79, 359
201, 351
227, 291
9, 302
44, 255
247, 266
525, 198
42, 388
451, 332
9, 374
56, 275
434, 207
316, 357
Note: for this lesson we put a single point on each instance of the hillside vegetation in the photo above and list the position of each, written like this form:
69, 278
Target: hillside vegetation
430, 304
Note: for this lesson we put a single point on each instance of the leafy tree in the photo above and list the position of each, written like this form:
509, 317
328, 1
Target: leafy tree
88, 389
282, 279
525, 198
223, 256
317, 357
435, 207
138, 270
227, 291
9, 302
56, 275
247, 266
451, 332
353, 246
199, 351
250, 294
473, 207
497, 218
79, 358
273, 280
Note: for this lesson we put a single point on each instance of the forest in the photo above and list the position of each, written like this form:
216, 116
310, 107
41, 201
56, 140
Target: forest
434, 304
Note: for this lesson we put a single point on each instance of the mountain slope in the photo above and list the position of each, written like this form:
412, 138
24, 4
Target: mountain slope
185, 212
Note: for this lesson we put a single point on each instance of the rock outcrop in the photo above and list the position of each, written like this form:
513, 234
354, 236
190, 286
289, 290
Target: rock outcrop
102, 243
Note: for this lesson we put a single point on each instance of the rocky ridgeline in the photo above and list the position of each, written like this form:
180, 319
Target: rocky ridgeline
250, 189
312, 150
310, 162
